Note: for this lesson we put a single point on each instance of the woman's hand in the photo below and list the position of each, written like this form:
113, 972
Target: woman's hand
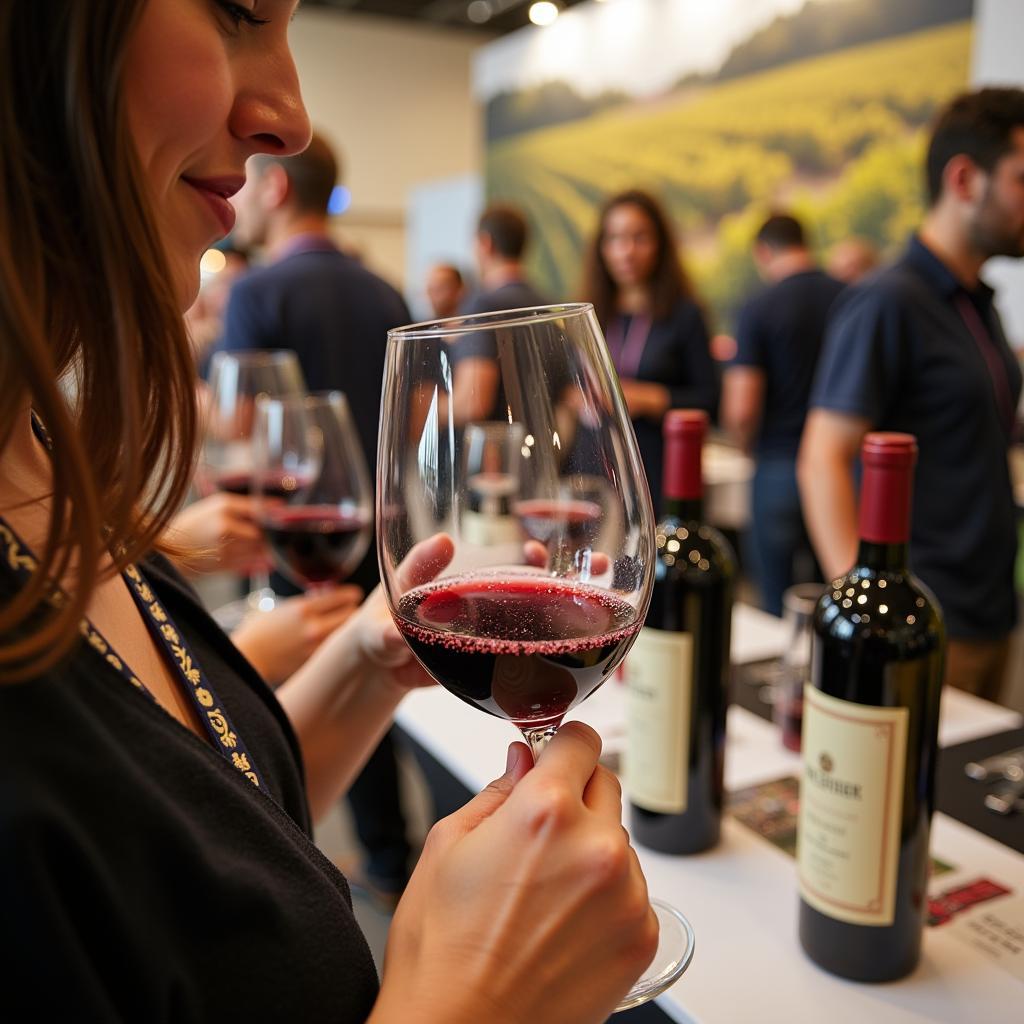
383, 649
645, 399
221, 534
278, 642
527, 901
342, 700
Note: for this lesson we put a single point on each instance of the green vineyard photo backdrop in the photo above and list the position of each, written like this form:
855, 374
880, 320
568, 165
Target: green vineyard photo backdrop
837, 138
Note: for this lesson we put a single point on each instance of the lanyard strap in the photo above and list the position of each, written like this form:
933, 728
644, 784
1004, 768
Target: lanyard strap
170, 642
627, 347
993, 360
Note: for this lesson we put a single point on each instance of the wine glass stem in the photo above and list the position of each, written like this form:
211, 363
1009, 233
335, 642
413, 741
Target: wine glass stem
539, 739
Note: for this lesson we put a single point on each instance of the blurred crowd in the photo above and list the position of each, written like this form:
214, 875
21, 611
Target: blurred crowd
831, 345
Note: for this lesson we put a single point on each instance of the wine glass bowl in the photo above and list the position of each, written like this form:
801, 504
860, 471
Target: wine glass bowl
235, 381
547, 508
228, 400
312, 488
522, 638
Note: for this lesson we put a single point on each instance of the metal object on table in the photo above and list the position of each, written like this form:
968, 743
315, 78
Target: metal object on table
1007, 798
1007, 765
1006, 768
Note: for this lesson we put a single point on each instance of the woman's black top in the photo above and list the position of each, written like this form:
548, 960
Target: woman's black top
142, 878
677, 354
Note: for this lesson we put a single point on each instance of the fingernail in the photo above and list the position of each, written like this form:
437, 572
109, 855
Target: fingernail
513, 758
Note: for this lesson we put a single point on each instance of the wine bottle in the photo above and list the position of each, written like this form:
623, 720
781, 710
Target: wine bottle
677, 671
871, 716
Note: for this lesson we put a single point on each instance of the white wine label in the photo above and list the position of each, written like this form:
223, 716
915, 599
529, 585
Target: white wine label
659, 678
851, 803
485, 530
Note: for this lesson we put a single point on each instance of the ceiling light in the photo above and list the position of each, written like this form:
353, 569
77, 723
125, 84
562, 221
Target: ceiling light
479, 11
543, 12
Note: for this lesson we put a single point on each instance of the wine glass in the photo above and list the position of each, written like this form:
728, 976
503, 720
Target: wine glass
523, 631
314, 501
492, 452
235, 382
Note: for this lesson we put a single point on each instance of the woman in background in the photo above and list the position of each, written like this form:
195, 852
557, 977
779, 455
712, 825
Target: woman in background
651, 318
156, 860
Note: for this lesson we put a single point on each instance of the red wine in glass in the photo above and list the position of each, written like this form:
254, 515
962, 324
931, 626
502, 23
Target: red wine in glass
272, 485
524, 648
574, 522
316, 545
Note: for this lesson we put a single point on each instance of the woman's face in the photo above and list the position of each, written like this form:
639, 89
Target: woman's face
208, 83
629, 247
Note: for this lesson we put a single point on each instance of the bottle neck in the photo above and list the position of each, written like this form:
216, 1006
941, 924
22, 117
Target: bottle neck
685, 509
890, 557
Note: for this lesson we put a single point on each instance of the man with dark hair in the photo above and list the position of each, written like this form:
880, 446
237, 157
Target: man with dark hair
501, 238
765, 393
445, 289
920, 348
502, 230
334, 314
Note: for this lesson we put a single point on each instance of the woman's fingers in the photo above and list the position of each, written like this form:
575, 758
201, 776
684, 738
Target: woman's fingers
326, 602
570, 758
603, 794
425, 561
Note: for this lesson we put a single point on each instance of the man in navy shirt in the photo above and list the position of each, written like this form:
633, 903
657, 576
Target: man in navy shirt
765, 393
334, 314
920, 348
501, 239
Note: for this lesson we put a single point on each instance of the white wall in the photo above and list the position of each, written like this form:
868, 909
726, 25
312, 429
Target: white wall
441, 225
395, 100
997, 60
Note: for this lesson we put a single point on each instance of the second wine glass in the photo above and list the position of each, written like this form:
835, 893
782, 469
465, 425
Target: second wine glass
319, 520
228, 403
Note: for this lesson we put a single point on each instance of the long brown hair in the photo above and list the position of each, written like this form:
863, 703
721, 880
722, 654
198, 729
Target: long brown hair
85, 289
668, 281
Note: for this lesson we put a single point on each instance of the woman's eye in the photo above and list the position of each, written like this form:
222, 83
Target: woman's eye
240, 15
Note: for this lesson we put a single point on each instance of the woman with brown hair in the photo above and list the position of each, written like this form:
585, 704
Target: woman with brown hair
155, 840
651, 318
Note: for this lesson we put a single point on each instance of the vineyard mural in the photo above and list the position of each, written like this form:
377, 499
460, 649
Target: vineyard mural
822, 108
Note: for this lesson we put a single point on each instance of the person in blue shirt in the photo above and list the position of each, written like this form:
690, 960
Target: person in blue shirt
334, 313
765, 393
502, 237
920, 348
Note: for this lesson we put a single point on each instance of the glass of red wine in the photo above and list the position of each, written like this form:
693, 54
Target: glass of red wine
526, 630
236, 380
319, 523
491, 450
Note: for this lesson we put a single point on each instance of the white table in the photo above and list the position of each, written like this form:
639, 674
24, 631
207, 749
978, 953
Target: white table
741, 897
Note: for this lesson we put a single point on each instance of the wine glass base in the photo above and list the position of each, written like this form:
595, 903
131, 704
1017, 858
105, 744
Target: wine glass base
676, 943
229, 616
262, 600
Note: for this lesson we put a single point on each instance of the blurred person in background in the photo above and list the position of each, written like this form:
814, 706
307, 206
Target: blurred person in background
651, 318
920, 348
852, 259
446, 290
500, 245
765, 392
334, 313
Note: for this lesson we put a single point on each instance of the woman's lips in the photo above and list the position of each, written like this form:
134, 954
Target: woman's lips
215, 192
